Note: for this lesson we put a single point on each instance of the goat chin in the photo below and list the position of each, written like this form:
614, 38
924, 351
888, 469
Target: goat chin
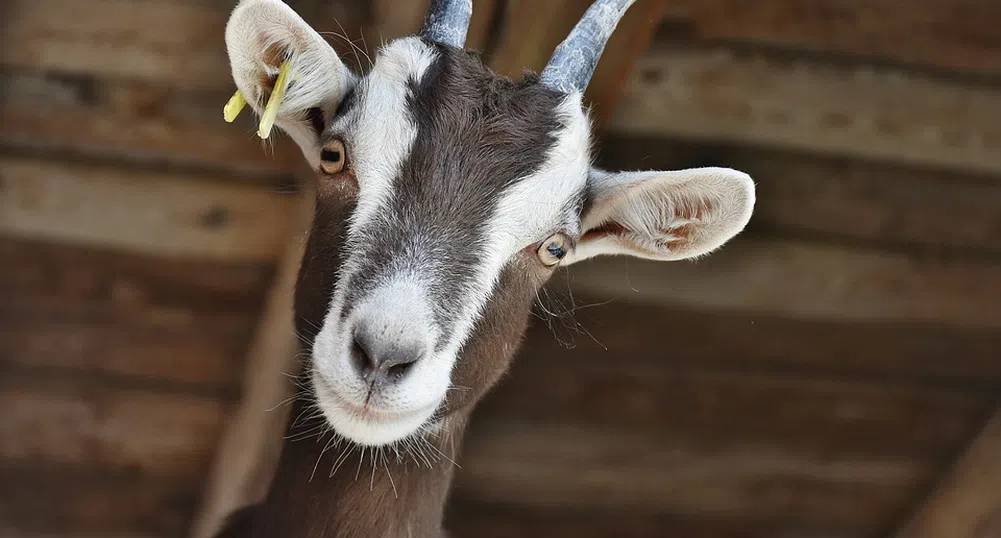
372, 428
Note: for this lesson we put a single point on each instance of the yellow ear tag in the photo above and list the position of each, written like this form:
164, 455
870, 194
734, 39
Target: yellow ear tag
274, 102
233, 107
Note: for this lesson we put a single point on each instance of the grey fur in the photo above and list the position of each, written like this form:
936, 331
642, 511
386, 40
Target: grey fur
574, 60
447, 21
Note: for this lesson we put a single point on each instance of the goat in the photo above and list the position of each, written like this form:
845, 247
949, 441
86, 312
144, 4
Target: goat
447, 195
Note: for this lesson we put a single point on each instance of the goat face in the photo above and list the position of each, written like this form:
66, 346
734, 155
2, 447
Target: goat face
447, 195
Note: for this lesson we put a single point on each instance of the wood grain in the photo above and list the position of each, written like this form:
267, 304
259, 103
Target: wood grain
177, 42
173, 215
48, 501
810, 281
967, 501
135, 121
720, 94
676, 337
467, 519
851, 200
202, 351
81, 422
98, 311
963, 37
554, 464
173, 291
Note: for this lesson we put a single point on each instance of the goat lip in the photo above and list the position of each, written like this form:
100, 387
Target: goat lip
368, 411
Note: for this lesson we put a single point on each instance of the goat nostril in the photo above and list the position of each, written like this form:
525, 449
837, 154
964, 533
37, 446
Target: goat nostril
398, 370
360, 358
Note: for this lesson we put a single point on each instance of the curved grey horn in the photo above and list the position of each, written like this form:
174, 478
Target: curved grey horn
447, 21
574, 60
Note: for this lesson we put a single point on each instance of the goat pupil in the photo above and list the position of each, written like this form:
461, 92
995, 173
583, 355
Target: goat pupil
331, 155
556, 250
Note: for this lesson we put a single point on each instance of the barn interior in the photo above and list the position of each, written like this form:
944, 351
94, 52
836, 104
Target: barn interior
833, 372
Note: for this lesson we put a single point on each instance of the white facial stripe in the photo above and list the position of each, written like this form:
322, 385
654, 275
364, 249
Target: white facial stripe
382, 133
383, 130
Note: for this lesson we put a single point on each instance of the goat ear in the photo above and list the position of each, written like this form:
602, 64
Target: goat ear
664, 215
261, 35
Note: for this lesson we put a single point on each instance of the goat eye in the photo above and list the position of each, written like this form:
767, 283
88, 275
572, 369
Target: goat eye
332, 157
553, 249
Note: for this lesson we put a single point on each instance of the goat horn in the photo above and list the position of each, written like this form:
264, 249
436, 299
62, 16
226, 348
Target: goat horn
447, 21
574, 60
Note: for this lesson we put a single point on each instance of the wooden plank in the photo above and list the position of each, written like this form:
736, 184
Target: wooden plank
808, 416
251, 445
812, 281
770, 99
680, 337
199, 351
135, 121
498, 520
847, 199
83, 422
556, 465
161, 290
42, 500
165, 40
652, 437
165, 214
962, 37
967, 502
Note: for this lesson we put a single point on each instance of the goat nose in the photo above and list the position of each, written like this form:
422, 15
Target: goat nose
382, 362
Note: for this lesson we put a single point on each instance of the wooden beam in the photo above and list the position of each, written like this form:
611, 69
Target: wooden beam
967, 501
77, 309
503, 520
43, 500
164, 40
174, 215
964, 37
751, 341
249, 450
850, 200
148, 288
720, 94
135, 121
811, 281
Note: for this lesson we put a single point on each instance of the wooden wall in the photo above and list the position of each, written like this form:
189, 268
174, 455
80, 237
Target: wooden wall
814, 379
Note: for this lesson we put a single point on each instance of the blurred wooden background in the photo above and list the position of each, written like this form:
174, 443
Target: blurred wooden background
830, 374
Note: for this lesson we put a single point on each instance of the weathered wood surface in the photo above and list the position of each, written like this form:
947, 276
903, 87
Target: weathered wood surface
70, 420
809, 280
191, 350
137, 122
657, 336
963, 37
657, 435
753, 96
167, 214
128, 282
967, 501
78, 309
178, 42
42, 500
845, 199
504, 520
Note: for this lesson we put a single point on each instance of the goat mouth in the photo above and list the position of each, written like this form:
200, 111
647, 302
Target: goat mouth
366, 412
